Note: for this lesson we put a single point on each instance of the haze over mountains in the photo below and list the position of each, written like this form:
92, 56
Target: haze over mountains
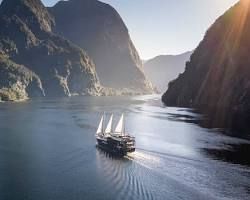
217, 78
98, 28
36, 61
82, 47
165, 68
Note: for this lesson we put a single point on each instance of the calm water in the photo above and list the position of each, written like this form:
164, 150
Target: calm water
47, 151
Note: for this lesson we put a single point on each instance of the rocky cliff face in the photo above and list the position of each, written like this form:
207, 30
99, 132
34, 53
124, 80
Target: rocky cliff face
217, 78
99, 29
28, 44
17, 82
165, 68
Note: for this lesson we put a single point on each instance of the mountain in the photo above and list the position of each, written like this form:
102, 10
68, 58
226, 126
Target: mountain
17, 82
165, 68
99, 29
36, 61
217, 78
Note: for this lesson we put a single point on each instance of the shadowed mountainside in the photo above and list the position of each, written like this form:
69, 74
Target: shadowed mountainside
59, 67
17, 82
165, 68
217, 78
99, 29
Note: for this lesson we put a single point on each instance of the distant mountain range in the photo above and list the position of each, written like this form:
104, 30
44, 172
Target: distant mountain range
217, 78
78, 47
165, 68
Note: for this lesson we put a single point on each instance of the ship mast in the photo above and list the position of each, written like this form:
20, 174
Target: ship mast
100, 127
103, 122
108, 129
120, 128
123, 128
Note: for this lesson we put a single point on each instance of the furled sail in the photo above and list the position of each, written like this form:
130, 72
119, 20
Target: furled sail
109, 126
120, 126
100, 127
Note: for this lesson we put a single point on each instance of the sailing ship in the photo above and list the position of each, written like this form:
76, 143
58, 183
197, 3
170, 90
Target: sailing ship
115, 141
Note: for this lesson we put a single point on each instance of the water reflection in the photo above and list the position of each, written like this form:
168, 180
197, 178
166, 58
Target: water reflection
47, 151
236, 153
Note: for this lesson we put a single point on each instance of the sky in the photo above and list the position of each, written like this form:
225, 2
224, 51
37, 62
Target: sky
159, 27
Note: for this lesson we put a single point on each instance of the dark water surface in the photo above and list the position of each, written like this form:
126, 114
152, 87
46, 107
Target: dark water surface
47, 151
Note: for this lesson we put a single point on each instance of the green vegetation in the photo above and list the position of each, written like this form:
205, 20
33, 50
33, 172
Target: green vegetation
10, 94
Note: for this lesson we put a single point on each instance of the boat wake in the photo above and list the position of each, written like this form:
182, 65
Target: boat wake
123, 175
144, 159
193, 176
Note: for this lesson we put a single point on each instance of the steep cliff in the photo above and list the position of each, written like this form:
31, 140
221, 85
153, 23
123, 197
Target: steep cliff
27, 39
217, 78
165, 68
98, 28
17, 82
